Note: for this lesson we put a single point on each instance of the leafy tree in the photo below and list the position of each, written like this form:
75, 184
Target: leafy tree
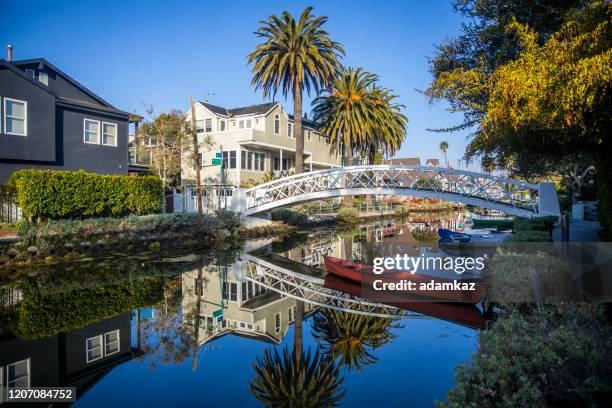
294, 55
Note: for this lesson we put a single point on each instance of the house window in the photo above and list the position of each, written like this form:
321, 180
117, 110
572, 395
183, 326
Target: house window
43, 78
241, 124
290, 131
234, 291
291, 314
277, 322
222, 125
94, 348
253, 161
244, 295
199, 125
31, 73
18, 374
91, 131
111, 343
248, 123
15, 117
308, 135
109, 134
208, 125
276, 124
275, 163
229, 159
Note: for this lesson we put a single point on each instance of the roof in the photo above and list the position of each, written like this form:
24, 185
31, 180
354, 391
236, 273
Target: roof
260, 109
407, 161
307, 122
87, 104
433, 162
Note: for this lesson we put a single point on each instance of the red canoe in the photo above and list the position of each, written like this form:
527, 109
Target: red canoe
439, 289
459, 313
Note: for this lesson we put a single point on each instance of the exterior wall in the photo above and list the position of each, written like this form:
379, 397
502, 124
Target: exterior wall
40, 142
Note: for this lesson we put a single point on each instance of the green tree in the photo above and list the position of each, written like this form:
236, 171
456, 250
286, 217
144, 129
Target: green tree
294, 56
443, 149
390, 131
295, 380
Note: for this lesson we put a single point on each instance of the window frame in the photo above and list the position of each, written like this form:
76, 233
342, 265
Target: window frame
277, 327
222, 125
102, 134
118, 343
248, 124
308, 135
290, 130
6, 368
25, 117
99, 336
208, 121
276, 129
43, 74
85, 120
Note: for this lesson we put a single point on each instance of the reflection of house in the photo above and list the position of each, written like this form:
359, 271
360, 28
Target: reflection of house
249, 309
79, 358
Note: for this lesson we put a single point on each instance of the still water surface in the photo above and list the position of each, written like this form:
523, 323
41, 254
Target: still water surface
125, 332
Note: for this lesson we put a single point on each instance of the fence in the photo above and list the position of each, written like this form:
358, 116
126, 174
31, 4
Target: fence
9, 210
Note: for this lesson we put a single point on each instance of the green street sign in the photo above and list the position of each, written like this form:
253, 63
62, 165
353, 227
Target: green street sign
217, 162
217, 313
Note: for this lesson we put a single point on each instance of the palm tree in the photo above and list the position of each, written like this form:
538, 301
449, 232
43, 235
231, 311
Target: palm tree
443, 149
292, 380
348, 111
294, 55
348, 336
390, 130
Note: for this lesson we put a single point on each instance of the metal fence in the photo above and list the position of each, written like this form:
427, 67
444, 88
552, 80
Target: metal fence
9, 210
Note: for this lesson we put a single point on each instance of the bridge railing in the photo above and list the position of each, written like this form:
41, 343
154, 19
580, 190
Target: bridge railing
433, 180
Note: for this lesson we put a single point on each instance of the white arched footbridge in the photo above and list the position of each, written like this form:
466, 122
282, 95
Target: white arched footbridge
483, 190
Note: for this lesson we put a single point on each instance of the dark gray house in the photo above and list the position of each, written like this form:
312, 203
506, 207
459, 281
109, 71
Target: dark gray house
50, 121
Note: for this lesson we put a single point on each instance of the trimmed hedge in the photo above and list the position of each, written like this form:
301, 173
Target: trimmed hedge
53, 194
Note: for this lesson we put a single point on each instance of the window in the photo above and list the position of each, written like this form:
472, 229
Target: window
18, 374
308, 135
241, 124
253, 160
43, 78
244, 295
109, 134
199, 125
31, 73
290, 133
229, 159
111, 342
234, 291
248, 123
222, 125
94, 348
208, 125
15, 117
276, 124
291, 314
102, 345
275, 163
91, 131
277, 322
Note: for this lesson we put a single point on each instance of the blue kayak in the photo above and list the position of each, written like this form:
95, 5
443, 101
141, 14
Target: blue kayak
452, 236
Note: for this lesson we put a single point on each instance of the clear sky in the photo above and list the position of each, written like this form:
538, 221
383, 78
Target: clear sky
133, 53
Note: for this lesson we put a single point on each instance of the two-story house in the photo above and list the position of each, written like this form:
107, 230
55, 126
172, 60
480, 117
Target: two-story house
254, 140
50, 121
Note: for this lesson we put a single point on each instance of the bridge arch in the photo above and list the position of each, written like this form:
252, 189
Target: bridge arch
513, 197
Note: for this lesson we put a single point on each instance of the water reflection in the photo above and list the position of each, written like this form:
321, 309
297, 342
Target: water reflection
273, 331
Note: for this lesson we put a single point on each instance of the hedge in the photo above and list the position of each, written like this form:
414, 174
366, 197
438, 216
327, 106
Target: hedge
53, 194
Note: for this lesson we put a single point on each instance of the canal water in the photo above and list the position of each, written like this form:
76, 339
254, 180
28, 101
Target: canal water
201, 329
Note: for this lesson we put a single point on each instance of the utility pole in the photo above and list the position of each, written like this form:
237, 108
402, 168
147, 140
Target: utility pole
196, 156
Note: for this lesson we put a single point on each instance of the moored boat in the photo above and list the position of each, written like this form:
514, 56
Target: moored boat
470, 290
500, 224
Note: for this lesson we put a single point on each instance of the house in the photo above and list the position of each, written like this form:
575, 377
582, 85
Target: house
50, 121
254, 140
433, 162
405, 161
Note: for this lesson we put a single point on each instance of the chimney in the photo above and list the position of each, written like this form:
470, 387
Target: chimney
9, 52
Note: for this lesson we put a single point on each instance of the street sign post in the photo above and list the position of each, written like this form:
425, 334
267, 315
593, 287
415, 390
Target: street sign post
217, 162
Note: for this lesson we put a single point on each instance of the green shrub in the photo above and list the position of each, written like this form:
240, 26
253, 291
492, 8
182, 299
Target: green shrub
348, 216
229, 220
425, 235
535, 224
528, 236
61, 312
291, 216
52, 194
554, 358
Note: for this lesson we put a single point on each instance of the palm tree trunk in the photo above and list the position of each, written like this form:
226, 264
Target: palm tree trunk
297, 123
348, 200
298, 338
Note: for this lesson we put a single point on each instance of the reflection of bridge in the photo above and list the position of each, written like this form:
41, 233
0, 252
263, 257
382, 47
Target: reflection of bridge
283, 276
482, 190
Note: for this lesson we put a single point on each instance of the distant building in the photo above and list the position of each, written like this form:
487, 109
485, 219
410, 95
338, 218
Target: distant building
433, 162
50, 121
406, 161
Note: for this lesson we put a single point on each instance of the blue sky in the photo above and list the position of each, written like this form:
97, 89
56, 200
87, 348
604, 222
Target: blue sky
159, 52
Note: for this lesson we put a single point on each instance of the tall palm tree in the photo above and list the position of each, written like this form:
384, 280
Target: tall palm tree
443, 149
294, 55
390, 130
289, 380
350, 336
347, 111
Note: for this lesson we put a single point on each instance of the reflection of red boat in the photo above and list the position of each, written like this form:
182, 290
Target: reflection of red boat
460, 313
434, 288
391, 231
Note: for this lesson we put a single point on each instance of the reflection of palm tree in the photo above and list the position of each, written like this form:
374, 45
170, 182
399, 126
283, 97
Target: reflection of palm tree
348, 336
292, 380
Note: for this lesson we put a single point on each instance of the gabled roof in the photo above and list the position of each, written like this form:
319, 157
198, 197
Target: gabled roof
260, 109
433, 162
87, 104
66, 77
307, 123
